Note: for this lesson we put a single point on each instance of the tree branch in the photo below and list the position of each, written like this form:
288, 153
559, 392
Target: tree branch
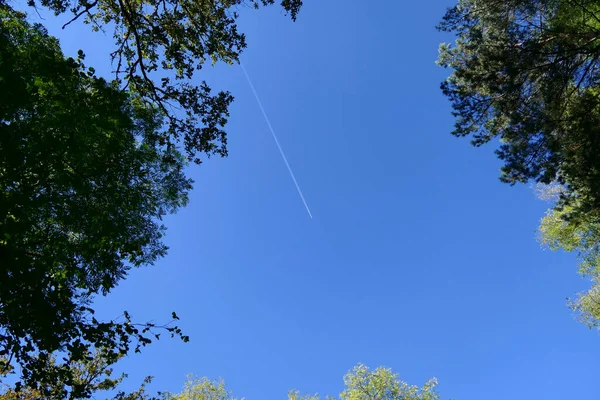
79, 14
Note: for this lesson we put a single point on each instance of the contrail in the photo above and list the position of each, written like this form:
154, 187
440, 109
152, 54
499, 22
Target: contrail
276, 141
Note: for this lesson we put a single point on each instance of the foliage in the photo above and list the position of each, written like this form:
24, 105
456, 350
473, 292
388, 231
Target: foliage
526, 72
94, 375
581, 236
201, 389
159, 46
361, 384
84, 182
89, 167
379, 384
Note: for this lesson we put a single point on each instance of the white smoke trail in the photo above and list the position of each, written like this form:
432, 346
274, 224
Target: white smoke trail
276, 141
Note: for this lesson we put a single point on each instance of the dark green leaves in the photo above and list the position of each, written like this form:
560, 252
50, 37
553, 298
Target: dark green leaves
84, 182
159, 47
89, 166
526, 72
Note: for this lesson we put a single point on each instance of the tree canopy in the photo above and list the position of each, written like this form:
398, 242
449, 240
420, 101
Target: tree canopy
526, 72
361, 383
201, 389
581, 236
90, 377
89, 166
84, 184
158, 48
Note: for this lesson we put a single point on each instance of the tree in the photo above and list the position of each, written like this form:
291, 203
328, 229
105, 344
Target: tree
383, 384
160, 45
94, 375
361, 384
379, 384
526, 72
89, 167
201, 389
583, 237
84, 183
97, 377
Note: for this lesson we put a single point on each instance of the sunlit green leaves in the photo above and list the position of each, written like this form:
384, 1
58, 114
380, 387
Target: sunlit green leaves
201, 389
582, 236
361, 383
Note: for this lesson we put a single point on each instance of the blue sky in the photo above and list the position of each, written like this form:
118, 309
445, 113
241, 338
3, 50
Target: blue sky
417, 258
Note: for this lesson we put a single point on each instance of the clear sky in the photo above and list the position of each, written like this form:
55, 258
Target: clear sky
417, 258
